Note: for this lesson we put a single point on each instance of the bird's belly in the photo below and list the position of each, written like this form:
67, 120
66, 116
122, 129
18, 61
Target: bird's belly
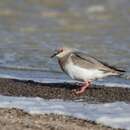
78, 73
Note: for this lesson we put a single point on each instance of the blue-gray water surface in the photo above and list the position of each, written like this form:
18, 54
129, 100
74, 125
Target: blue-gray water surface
30, 30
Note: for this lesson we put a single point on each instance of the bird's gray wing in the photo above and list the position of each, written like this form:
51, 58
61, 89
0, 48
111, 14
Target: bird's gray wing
89, 62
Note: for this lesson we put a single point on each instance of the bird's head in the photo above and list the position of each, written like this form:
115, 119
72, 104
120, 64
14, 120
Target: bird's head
61, 52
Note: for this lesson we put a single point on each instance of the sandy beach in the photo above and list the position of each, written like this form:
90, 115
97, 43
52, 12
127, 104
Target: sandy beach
16, 119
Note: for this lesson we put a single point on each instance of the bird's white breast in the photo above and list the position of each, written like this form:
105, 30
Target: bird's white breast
78, 73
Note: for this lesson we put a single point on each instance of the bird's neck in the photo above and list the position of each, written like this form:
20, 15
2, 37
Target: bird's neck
63, 60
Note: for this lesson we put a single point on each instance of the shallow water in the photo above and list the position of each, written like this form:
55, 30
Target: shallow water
58, 77
30, 30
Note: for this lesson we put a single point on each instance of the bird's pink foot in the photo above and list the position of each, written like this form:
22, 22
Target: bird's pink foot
83, 87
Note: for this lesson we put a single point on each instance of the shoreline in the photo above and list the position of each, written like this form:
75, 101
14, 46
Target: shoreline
17, 119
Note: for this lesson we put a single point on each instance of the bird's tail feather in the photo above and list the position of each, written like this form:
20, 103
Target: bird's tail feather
123, 74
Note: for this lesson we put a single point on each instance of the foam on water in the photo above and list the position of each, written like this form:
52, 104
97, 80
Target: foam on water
116, 115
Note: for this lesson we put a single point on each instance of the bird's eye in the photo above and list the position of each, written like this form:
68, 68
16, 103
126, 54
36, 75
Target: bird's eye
60, 50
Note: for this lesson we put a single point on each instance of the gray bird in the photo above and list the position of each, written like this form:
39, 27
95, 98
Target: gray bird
83, 67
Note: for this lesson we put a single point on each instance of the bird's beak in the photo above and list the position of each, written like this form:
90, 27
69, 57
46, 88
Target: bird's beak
53, 55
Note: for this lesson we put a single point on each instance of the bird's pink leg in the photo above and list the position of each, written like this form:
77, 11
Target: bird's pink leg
84, 87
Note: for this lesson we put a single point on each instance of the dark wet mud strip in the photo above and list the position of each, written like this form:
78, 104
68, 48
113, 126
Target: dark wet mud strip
95, 94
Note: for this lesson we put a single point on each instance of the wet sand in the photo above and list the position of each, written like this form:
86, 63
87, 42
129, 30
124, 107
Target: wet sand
95, 94
15, 119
